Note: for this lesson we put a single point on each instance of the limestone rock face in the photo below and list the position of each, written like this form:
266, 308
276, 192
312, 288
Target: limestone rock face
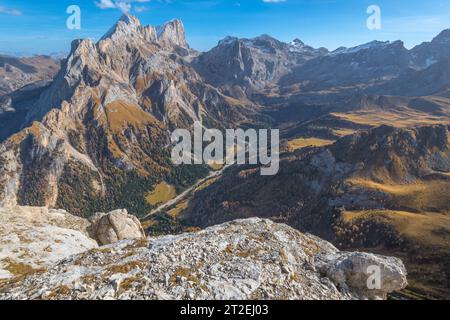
243, 259
32, 239
172, 32
117, 225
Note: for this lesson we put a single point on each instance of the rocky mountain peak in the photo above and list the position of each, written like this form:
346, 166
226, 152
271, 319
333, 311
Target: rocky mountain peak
129, 19
127, 25
227, 40
297, 46
171, 33
443, 37
297, 41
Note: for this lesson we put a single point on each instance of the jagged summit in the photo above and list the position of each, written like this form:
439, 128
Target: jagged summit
297, 46
297, 42
126, 25
172, 32
253, 62
129, 26
130, 19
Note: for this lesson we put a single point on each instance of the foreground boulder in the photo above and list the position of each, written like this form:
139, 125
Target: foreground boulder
352, 271
117, 225
243, 259
33, 238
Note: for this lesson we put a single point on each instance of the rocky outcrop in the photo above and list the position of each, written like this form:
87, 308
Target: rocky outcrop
244, 259
172, 33
32, 239
350, 270
117, 225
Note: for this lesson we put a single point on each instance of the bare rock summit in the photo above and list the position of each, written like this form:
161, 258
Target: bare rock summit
243, 259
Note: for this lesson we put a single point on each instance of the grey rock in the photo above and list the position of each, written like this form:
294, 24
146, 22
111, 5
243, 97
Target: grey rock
117, 225
243, 259
353, 271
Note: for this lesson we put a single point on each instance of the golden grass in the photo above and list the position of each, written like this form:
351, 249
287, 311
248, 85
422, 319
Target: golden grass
120, 115
377, 118
34, 129
175, 212
124, 268
17, 268
300, 143
425, 228
148, 224
343, 132
188, 274
206, 184
162, 193
422, 195
428, 243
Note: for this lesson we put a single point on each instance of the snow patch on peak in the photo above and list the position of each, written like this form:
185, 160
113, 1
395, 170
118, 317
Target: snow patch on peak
366, 46
297, 42
298, 46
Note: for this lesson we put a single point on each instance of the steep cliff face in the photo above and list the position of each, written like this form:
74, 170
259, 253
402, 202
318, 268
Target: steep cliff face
245, 259
103, 125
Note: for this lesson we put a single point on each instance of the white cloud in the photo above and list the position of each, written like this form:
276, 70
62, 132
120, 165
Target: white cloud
140, 8
273, 1
123, 5
10, 11
105, 4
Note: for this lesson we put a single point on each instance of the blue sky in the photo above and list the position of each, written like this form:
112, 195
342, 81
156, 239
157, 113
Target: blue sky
40, 26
